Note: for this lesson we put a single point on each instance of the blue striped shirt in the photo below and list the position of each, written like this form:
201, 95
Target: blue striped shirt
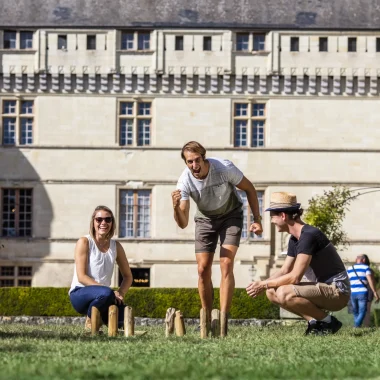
362, 271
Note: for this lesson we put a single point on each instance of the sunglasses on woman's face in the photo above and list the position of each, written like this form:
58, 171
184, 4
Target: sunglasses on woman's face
107, 219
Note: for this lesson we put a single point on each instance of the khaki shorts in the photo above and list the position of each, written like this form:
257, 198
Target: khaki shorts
228, 228
324, 296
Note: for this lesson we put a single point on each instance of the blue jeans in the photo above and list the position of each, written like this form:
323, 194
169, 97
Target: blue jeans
102, 297
359, 307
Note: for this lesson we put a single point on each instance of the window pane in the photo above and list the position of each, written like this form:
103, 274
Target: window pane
126, 132
25, 283
258, 110
9, 40
9, 212
178, 43
9, 131
144, 41
377, 44
144, 108
91, 42
25, 213
258, 133
240, 133
259, 42
7, 271
26, 131
62, 42
27, 107
241, 109
294, 44
26, 40
7, 283
126, 108
9, 106
323, 44
126, 213
127, 41
207, 43
143, 213
247, 222
242, 40
143, 132
25, 271
352, 44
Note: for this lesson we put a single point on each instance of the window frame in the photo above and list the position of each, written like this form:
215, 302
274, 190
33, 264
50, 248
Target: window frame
179, 43
136, 118
250, 120
377, 44
19, 117
123, 235
91, 42
323, 48
21, 34
16, 277
248, 215
17, 211
207, 43
294, 44
59, 41
352, 44
256, 35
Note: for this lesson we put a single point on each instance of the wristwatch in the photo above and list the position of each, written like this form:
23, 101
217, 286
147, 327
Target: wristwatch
257, 219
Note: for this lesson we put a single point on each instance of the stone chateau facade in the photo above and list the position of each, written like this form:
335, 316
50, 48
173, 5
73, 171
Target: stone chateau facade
95, 110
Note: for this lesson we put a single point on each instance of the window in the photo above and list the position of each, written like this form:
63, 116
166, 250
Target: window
26, 40
323, 44
127, 39
207, 43
16, 213
248, 215
17, 122
249, 124
135, 213
242, 41
9, 41
294, 44
62, 42
91, 42
259, 42
135, 119
178, 43
141, 277
352, 44
11, 276
377, 44
143, 41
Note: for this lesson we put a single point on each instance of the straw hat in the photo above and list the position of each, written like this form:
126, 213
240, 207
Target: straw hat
283, 202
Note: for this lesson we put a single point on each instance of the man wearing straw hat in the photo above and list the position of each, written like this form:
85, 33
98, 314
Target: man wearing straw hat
308, 247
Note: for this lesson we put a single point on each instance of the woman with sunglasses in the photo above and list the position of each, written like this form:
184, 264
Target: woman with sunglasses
95, 257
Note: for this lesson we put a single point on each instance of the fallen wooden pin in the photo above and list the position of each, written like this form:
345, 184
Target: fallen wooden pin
215, 323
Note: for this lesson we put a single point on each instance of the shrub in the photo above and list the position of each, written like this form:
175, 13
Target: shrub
146, 302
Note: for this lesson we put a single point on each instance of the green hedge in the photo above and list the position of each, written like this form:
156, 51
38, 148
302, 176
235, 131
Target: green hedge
146, 302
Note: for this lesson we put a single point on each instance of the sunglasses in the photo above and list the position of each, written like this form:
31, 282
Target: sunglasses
107, 219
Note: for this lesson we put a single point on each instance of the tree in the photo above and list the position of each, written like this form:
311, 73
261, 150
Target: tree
328, 211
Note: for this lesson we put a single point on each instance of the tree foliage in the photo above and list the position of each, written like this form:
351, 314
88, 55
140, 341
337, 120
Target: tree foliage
328, 211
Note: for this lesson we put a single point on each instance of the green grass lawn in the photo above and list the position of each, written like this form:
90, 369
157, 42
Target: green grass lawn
66, 352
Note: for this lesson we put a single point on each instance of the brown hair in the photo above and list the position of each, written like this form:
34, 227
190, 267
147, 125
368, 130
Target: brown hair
293, 215
193, 147
113, 227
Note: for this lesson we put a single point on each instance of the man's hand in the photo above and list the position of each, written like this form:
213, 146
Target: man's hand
176, 197
255, 288
119, 299
256, 228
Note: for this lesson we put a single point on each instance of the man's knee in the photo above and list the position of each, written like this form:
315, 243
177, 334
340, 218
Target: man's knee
285, 294
271, 294
226, 266
204, 271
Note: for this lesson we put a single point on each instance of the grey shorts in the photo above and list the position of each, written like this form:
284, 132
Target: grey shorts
228, 228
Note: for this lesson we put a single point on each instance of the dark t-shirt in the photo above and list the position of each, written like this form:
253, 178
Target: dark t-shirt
326, 262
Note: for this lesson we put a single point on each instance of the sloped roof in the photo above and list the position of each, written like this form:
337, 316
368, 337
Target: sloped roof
266, 14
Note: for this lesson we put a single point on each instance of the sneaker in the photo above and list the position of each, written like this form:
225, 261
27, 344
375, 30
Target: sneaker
313, 328
330, 328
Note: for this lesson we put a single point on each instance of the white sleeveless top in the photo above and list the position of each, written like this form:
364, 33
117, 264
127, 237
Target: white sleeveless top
100, 265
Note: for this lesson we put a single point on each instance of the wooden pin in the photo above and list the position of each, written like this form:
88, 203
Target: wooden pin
203, 323
223, 324
169, 321
129, 321
95, 321
215, 323
113, 316
179, 324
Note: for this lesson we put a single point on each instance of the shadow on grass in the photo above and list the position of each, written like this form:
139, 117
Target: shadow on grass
357, 333
16, 348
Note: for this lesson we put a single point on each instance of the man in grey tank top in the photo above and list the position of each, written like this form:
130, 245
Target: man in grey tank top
212, 184
308, 248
